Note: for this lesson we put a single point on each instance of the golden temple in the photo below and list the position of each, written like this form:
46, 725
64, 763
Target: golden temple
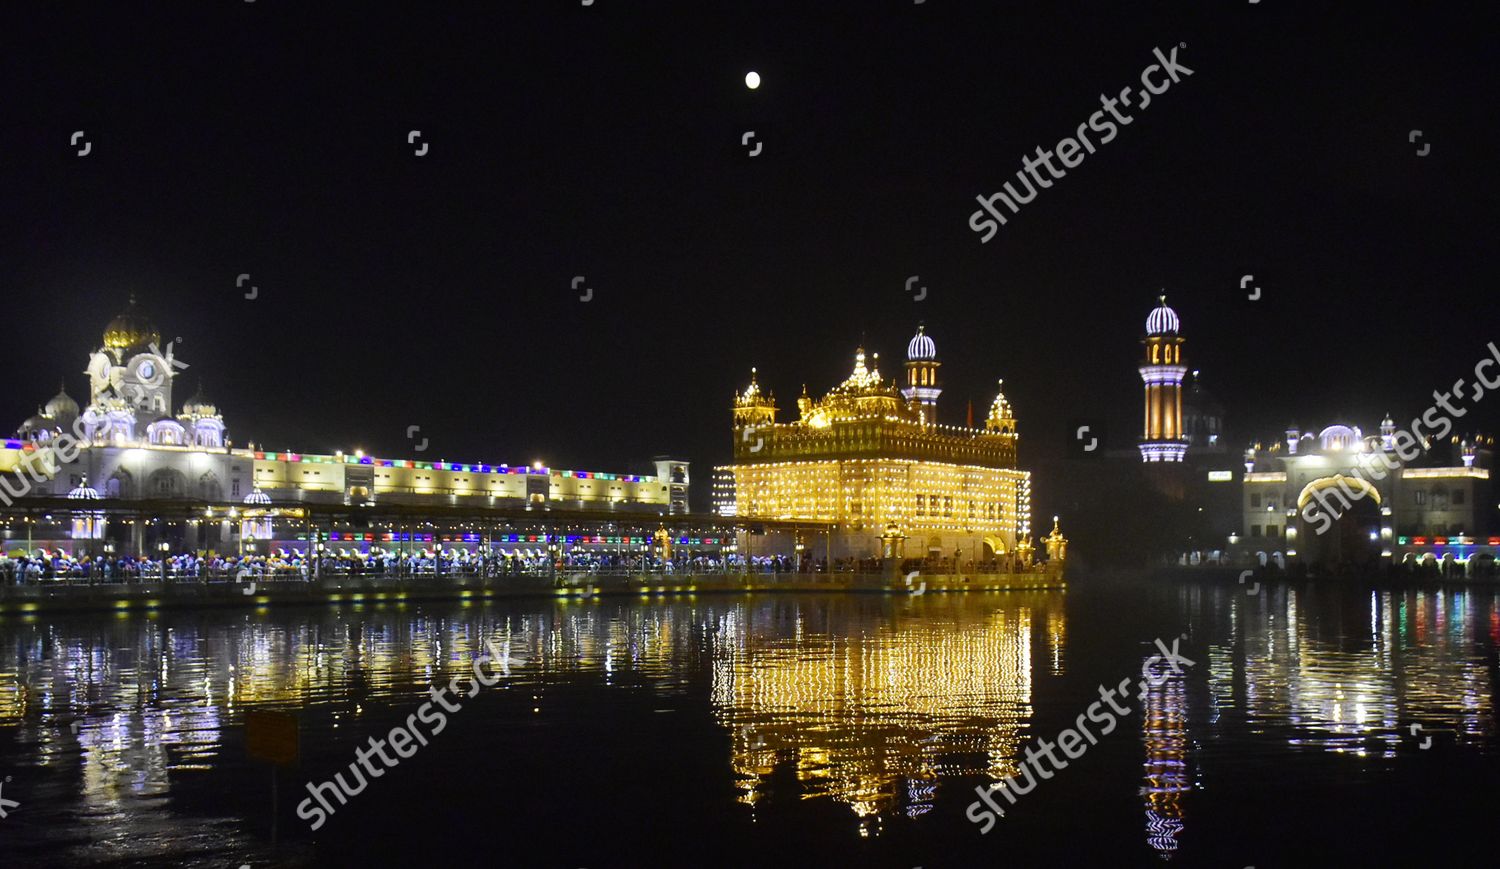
871, 458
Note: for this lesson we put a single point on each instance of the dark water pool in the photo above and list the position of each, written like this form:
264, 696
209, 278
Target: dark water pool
793, 730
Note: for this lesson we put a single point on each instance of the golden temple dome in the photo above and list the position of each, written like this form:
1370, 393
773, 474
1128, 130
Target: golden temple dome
130, 329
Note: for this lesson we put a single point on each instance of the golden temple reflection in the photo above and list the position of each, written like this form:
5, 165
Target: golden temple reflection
864, 716
1057, 640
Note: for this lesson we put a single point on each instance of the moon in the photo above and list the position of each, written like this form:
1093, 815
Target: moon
752, 79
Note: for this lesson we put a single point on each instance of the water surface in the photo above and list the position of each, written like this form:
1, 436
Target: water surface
767, 730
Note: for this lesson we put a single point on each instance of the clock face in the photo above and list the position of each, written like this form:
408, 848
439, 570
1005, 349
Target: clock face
147, 372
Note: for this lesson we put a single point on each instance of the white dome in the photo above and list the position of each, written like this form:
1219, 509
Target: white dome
256, 496
1339, 437
62, 406
921, 346
84, 491
1163, 320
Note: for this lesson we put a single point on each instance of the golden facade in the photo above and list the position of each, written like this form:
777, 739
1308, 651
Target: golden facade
870, 456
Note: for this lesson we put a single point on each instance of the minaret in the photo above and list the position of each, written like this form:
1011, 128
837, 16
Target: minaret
922, 390
1162, 372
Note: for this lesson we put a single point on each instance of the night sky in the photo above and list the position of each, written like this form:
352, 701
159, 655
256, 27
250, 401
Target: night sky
270, 138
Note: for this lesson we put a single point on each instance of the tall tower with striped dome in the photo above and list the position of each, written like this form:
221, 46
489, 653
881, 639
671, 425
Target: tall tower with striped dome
921, 392
1162, 371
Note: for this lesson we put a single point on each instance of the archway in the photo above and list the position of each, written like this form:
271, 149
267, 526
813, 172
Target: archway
121, 484
209, 488
166, 483
1346, 530
1350, 490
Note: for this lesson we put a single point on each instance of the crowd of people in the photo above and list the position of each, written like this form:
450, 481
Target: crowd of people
283, 564
51, 566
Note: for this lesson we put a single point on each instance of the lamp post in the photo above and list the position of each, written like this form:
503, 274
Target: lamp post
164, 547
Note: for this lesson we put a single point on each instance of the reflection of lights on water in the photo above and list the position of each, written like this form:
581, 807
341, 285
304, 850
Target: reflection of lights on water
868, 715
920, 794
1162, 832
1350, 698
1164, 733
862, 715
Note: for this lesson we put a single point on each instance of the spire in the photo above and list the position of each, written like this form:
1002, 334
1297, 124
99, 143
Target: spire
862, 378
1001, 418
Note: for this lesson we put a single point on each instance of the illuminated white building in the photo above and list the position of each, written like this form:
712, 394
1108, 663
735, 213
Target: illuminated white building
1378, 506
127, 440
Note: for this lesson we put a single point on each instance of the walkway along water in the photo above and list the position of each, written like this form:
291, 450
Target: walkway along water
230, 591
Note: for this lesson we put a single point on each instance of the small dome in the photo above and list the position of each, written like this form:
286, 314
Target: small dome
752, 394
863, 378
35, 423
256, 496
84, 491
61, 406
1339, 437
1001, 416
199, 405
1163, 320
130, 329
921, 346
